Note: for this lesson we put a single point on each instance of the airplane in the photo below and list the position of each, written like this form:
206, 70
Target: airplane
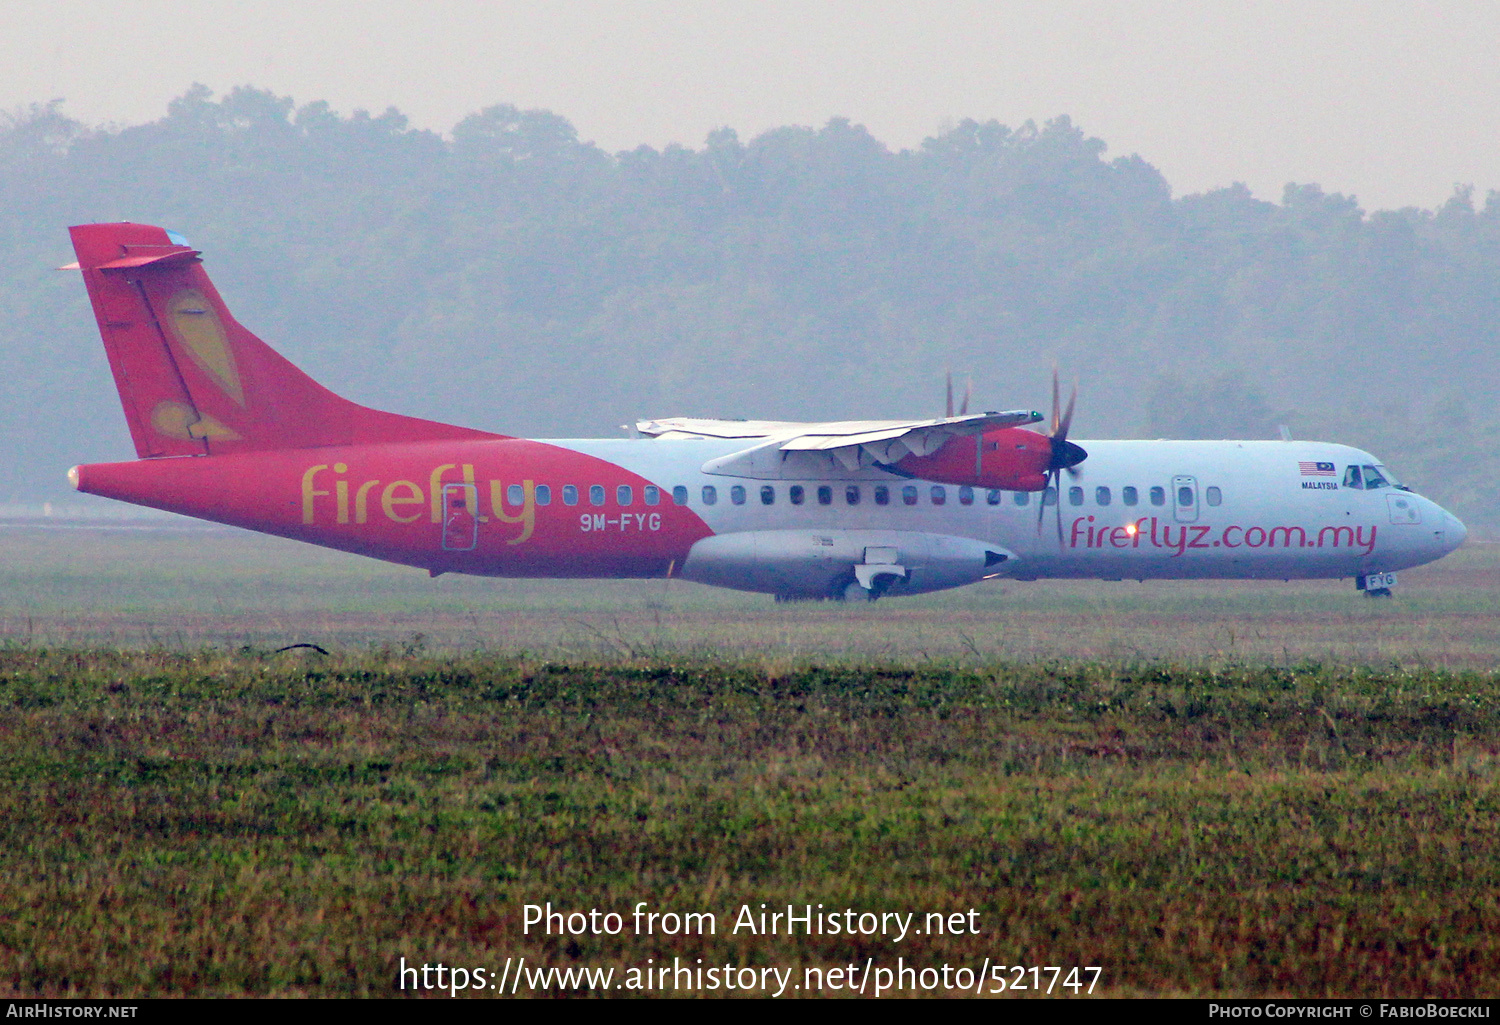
227, 430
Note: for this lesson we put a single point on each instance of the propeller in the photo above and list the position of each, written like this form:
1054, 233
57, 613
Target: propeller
1065, 454
963, 410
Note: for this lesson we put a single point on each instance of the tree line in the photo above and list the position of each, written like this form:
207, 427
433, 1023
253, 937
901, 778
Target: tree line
512, 276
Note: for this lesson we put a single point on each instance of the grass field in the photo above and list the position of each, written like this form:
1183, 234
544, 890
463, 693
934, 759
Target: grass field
1201, 789
189, 588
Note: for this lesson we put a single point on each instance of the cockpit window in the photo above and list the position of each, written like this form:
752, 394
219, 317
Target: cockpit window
1368, 478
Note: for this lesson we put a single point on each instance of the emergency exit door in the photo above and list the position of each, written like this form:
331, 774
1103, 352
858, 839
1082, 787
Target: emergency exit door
1185, 499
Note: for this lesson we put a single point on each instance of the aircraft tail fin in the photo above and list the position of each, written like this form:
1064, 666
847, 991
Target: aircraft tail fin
193, 381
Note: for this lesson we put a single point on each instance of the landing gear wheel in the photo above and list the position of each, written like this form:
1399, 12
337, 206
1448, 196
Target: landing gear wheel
881, 584
1378, 592
854, 592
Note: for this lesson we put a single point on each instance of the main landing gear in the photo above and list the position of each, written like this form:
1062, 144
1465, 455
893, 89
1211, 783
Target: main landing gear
1376, 585
869, 583
850, 591
851, 588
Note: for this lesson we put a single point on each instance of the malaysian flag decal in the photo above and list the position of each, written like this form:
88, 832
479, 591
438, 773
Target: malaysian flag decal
1316, 469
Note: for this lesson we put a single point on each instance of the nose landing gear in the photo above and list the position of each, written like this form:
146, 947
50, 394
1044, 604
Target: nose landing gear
1376, 585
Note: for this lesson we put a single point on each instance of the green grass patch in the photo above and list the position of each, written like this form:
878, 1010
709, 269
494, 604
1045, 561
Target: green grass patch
213, 822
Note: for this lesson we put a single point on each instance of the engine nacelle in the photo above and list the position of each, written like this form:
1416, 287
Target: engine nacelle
1011, 459
825, 563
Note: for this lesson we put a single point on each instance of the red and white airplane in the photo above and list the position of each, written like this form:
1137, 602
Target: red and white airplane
229, 431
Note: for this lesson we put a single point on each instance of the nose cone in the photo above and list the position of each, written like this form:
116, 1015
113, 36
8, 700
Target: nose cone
1455, 532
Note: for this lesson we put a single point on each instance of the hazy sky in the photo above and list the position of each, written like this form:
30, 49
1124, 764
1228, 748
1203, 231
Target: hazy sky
1394, 102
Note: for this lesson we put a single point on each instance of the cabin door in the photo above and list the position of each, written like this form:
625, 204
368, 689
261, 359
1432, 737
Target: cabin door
460, 517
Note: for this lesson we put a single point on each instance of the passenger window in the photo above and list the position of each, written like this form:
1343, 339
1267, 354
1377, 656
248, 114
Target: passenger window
1049, 497
515, 495
1075, 496
652, 494
1214, 496
939, 494
543, 495
737, 494
679, 494
1373, 479
1022, 498
710, 494
851, 494
825, 495
1184, 496
1158, 496
882, 495
795, 494
1351, 478
596, 495
623, 495
570, 495
965, 495
1129, 496
992, 496
1101, 495
909, 494
768, 495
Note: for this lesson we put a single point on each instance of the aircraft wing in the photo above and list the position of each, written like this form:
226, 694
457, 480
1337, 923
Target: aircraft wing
687, 427
851, 443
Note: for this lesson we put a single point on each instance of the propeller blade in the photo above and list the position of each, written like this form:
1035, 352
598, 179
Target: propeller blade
1065, 454
1057, 477
963, 410
1067, 417
1054, 490
1056, 399
949, 407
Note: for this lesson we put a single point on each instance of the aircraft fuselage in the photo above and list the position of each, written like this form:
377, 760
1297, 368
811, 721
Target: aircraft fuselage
645, 508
